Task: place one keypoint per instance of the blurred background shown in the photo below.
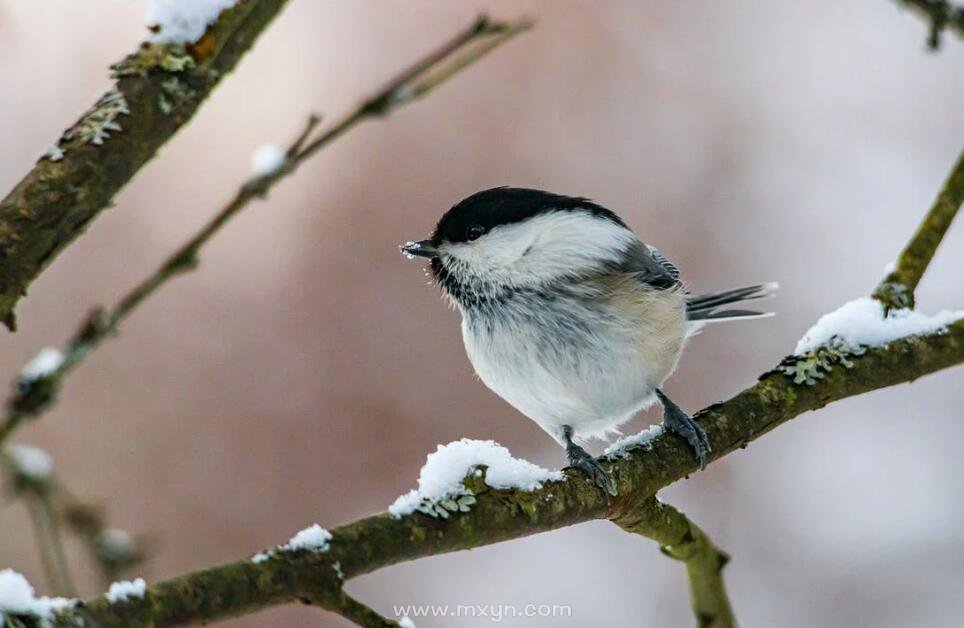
(305, 370)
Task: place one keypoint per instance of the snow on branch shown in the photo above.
(441, 489)
(159, 87)
(270, 167)
(183, 21)
(513, 498)
(864, 323)
(501, 514)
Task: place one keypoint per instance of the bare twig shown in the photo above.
(681, 539)
(356, 612)
(159, 88)
(467, 47)
(317, 576)
(897, 288)
(941, 15)
(49, 544)
(112, 550)
(499, 515)
(53, 508)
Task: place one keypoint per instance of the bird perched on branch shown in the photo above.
(568, 316)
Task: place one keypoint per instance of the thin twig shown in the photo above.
(48, 546)
(381, 540)
(356, 612)
(897, 288)
(370, 544)
(681, 539)
(56, 535)
(942, 15)
(464, 49)
(53, 509)
(60, 196)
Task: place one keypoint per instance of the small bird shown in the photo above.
(568, 316)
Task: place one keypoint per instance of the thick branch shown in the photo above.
(59, 197)
(897, 288)
(379, 541)
(428, 73)
(681, 539)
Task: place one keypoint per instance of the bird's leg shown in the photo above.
(580, 459)
(675, 419)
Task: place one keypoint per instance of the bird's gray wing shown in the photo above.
(650, 267)
(660, 259)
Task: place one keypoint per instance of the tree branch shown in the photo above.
(49, 543)
(52, 508)
(159, 88)
(317, 576)
(34, 397)
(354, 611)
(897, 288)
(499, 515)
(941, 14)
(681, 539)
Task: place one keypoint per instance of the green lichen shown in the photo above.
(54, 153)
(817, 363)
(100, 120)
(895, 295)
(152, 57)
(175, 92)
(526, 503)
(442, 508)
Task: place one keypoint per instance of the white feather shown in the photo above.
(581, 351)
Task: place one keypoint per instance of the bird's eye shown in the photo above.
(474, 232)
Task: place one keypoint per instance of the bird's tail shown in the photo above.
(705, 308)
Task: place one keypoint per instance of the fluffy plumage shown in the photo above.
(565, 313)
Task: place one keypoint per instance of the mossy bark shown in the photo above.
(897, 288)
(381, 540)
(56, 200)
(681, 539)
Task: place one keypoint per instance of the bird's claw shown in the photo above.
(580, 459)
(684, 425)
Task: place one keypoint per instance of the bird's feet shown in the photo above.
(675, 419)
(580, 459)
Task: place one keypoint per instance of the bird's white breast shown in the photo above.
(588, 356)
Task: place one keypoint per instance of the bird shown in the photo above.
(568, 316)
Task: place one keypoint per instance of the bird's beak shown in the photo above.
(422, 248)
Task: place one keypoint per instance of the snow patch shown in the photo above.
(183, 21)
(405, 622)
(115, 543)
(44, 363)
(314, 537)
(17, 598)
(267, 159)
(125, 590)
(622, 447)
(862, 323)
(32, 462)
(441, 477)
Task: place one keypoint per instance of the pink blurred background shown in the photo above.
(304, 372)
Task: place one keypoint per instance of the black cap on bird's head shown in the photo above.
(478, 214)
(507, 238)
(485, 210)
